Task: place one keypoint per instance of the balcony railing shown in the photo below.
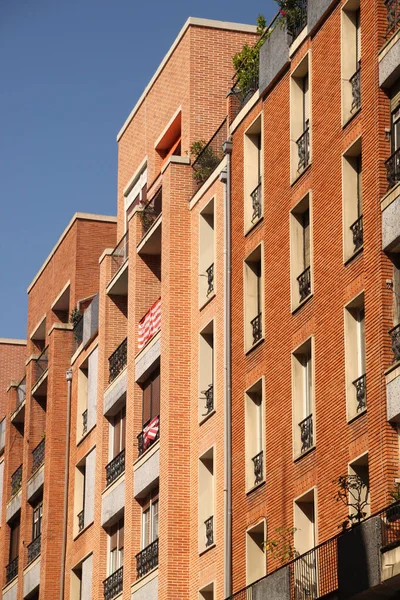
(395, 335)
(256, 325)
(393, 168)
(115, 467)
(40, 365)
(296, 19)
(21, 392)
(78, 332)
(113, 584)
(361, 392)
(117, 360)
(81, 520)
(34, 548)
(256, 202)
(120, 254)
(210, 279)
(306, 433)
(357, 229)
(392, 16)
(304, 280)
(149, 434)
(355, 82)
(241, 93)
(84, 422)
(209, 531)
(147, 559)
(38, 456)
(208, 159)
(16, 481)
(258, 462)
(151, 211)
(303, 149)
(150, 324)
(12, 570)
(209, 399)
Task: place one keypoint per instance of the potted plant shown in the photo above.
(206, 160)
(353, 492)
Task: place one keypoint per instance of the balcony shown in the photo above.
(361, 393)
(393, 169)
(296, 20)
(12, 570)
(18, 415)
(256, 202)
(209, 156)
(34, 549)
(355, 82)
(115, 467)
(357, 230)
(151, 220)
(303, 149)
(39, 376)
(306, 434)
(118, 284)
(149, 434)
(258, 463)
(304, 281)
(392, 16)
(395, 337)
(78, 332)
(209, 531)
(149, 325)
(147, 559)
(113, 584)
(16, 481)
(256, 326)
(118, 360)
(38, 456)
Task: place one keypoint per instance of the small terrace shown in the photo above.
(208, 156)
(39, 375)
(118, 284)
(151, 220)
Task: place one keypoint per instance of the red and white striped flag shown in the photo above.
(150, 431)
(149, 324)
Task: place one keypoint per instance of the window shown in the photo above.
(300, 119)
(81, 580)
(207, 592)
(253, 170)
(84, 491)
(151, 397)
(355, 357)
(206, 371)
(136, 193)
(300, 255)
(393, 163)
(303, 398)
(353, 231)
(359, 497)
(351, 59)
(116, 465)
(150, 520)
(87, 394)
(206, 254)
(116, 541)
(304, 540)
(253, 299)
(14, 539)
(37, 521)
(206, 500)
(256, 565)
(255, 434)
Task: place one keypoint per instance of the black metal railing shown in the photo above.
(296, 19)
(258, 462)
(78, 332)
(151, 211)
(256, 202)
(395, 335)
(210, 156)
(117, 360)
(12, 570)
(242, 92)
(40, 365)
(304, 280)
(38, 455)
(144, 442)
(303, 149)
(393, 169)
(392, 16)
(16, 481)
(357, 229)
(361, 392)
(120, 254)
(209, 399)
(355, 82)
(115, 467)
(210, 279)
(113, 584)
(256, 325)
(34, 548)
(306, 433)
(209, 531)
(84, 422)
(81, 520)
(390, 526)
(147, 559)
(21, 392)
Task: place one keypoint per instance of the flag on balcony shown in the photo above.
(149, 324)
(150, 432)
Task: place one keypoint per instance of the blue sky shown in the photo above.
(70, 73)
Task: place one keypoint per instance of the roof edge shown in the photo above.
(13, 342)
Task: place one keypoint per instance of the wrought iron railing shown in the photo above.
(12, 570)
(34, 548)
(303, 149)
(16, 481)
(210, 156)
(304, 280)
(84, 422)
(40, 365)
(210, 279)
(38, 455)
(115, 467)
(355, 82)
(209, 531)
(120, 254)
(78, 332)
(258, 462)
(151, 211)
(256, 325)
(147, 559)
(357, 229)
(144, 442)
(361, 392)
(113, 584)
(395, 335)
(117, 360)
(256, 202)
(209, 399)
(81, 520)
(21, 392)
(296, 18)
(392, 16)
(306, 433)
(393, 169)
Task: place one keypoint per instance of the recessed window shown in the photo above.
(356, 389)
(169, 143)
(207, 592)
(351, 59)
(14, 532)
(87, 394)
(353, 230)
(61, 307)
(256, 565)
(147, 558)
(116, 547)
(303, 398)
(206, 254)
(116, 464)
(206, 500)
(85, 473)
(206, 371)
(255, 435)
(253, 171)
(305, 583)
(137, 192)
(359, 496)
(300, 255)
(81, 580)
(300, 118)
(253, 298)
(150, 412)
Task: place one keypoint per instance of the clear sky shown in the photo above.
(70, 73)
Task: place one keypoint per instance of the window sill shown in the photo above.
(82, 531)
(146, 454)
(306, 453)
(300, 175)
(207, 417)
(255, 487)
(254, 346)
(79, 442)
(351, 118)
(207, 301)
(253, 226)
(302, 303)
(202, 552)
(351, 420)
(353, 256)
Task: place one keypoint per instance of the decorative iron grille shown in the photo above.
(258, 461)
(303, 148)
(209, 526)
(84, 422)
(306, 433)
(256, 201)
(81, 520)
(120, 254)
(357, 230)
(210, 279)
(113, 584)
(392, 16)
(209, 399)
(78, 332)
(395, 335)
(210, 156)
(296, 19)
(115, 467)
(16, 480)
(393, 169)
(147, 559)
(304, 280)
(256, 325)
(355, 82)
(361, 392)
(38, 456)
(40, 365)
(151, 211)
(12, 570)
(117, 360)
(143, 444)
(34, 548)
